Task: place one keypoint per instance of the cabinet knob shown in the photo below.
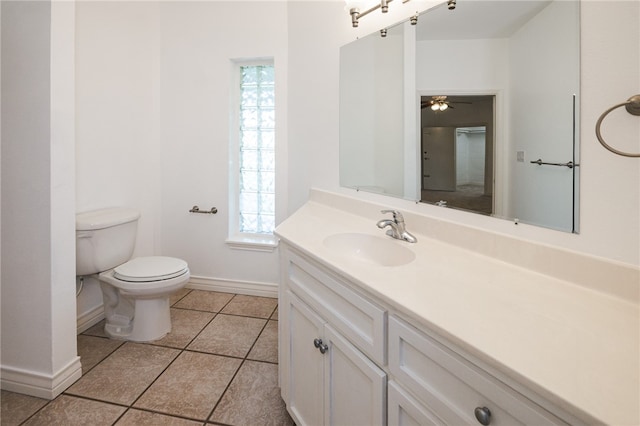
(483, 415)
(318, 343)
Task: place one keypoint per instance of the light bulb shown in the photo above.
(443, 106)
(435, 107)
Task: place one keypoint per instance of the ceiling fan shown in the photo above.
(439, 103)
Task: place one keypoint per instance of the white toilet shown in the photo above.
(135, 291)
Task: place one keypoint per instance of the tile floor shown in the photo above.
(218, 366)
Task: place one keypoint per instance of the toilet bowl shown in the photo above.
(136, 297)
(135, 292)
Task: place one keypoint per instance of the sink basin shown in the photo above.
(371, 249)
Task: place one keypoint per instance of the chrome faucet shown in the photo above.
(396, 227)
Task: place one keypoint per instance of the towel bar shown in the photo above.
(196, 209)
(570, 164)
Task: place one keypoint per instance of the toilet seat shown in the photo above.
(149, 269)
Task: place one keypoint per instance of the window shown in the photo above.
(253, 170)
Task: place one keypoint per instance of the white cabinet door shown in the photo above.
(355, 388)
(306, 364)
(329, 381)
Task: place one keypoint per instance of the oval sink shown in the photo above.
(381, 251)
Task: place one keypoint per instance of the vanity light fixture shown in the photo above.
(355, 6)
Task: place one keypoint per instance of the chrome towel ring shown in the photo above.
(633, 107)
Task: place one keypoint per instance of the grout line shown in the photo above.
(36, 412)
(225, 391)
(65, 392)
(239, 368)
(181, 351)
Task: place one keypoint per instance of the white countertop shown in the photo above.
(573, 345)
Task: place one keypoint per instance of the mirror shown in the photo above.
(506, 142)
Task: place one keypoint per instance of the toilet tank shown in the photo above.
(104, 239)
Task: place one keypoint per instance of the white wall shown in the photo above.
(610, 62)
(388, 115)
(38, 345)
(371, 104)
(456, 58)
(541, 116)
(357, 102)
(470, 152)
(117, 121)
(199, 39)
(153, 91)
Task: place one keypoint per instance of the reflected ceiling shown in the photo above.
(476, 19)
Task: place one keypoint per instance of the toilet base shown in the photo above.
(152, 321)
(138, 311)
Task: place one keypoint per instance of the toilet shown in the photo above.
(135, 291)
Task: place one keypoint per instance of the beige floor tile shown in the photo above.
(175, 297)
(191, 386)
(185, 325)
(253, 398)
(124, 374)
(93, 349)
(71, 411)
(145, 418)
(210, 301)
(228, 335)
(275, 315)
(96, 330)
(251, 306)
(266, 347)
(16, 408)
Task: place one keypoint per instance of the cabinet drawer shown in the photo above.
(404, 410)
(451, 386)
(362, 322)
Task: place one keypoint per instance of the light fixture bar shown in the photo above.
(384, 6)
(356, 14)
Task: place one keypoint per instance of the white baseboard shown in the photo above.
(38, 384)
(96, 314)
(90, 318)
(234, 286)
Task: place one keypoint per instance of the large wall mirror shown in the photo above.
(474, 108)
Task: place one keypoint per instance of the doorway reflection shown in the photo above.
(457, 152)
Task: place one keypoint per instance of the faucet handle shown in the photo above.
(397, 216)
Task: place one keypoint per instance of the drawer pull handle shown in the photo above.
(483, 415)
(320, 345)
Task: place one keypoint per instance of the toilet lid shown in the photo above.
(152, 268)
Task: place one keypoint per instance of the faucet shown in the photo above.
(396, 227)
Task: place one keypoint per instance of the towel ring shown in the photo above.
(633, 107)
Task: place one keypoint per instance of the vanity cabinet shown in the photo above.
(449, 385)
(325, 378)
(346, 359)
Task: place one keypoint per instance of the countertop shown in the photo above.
(573, 345)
